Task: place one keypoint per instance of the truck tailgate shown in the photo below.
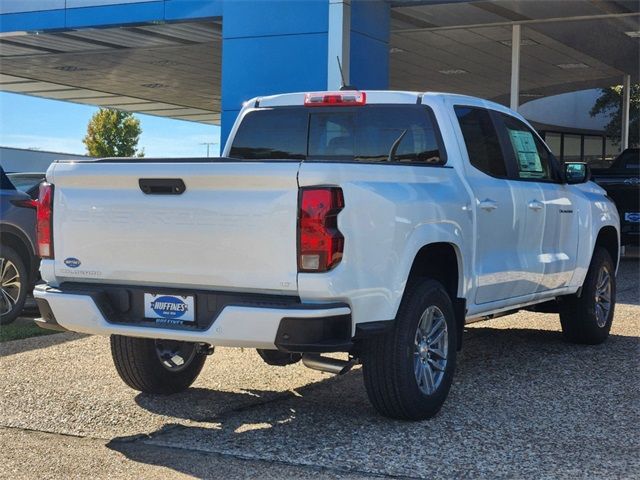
(233, 227)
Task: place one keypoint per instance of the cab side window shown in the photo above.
(532, 158)
(481, 140)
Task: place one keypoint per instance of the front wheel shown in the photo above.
(587, 319)
(156, 366)
(408, 371)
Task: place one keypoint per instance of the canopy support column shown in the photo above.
(515, 67)
(626, 101)
(339, 48)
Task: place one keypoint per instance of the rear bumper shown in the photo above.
(288, 326)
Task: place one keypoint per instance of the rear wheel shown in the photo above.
(408, 371)
(587, 319)
(13, 285)
(157, 366)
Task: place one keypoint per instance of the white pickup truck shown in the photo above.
(374, 223)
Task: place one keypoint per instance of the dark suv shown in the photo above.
(18, 262)
(622, 183)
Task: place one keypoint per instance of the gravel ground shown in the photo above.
(523, 404)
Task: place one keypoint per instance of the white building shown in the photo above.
(28, 160)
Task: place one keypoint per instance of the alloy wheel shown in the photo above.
(603, 296)
(431, 347)
(10, 286)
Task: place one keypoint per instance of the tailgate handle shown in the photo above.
(162, 186)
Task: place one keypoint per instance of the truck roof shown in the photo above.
(374, 97)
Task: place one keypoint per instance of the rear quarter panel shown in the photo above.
(391, 212)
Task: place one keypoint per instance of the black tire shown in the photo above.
(12, 298)
(390, 375)
(578, 316)
(139, 365)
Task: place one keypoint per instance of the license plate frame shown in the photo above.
(632, 217)
(170, 307)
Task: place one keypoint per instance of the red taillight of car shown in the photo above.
(320, 243)
(44, 217)
(335, 99)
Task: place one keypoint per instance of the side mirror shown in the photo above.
(576, 172)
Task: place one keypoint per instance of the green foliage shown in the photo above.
(112, 133)
(22, 329)
(609, 103)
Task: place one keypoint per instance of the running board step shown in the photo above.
(325, 364)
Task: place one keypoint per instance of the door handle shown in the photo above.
(536, 205)
(162, 186)
(488, 205)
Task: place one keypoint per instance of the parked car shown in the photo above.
(18, 262)
(622, 183)
(374, 223)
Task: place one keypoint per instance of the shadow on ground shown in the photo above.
(524, 403)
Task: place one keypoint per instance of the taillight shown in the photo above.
(44, 217)
(335, 99)
(320, 243)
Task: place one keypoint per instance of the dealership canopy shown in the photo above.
(199, 59)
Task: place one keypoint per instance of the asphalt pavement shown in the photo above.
(524, 404)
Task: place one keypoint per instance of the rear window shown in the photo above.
(24, 182)
(5, 183)
(271, 134)
(481, 140)
(374, 133)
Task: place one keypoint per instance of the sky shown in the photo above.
(31, 122)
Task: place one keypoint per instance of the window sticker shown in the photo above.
(529, 162)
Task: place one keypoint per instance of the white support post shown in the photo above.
(339, 44)
(515, 67)
(626, 101)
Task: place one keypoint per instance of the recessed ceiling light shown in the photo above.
(396, 50)
(453, 71)
(572, 66)
(634, 34)
(523, 43)
(165, 63)
(69, 68)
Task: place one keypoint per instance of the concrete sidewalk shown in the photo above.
(32, 454)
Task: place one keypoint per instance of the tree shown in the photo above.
(112, 133)
(609, 104)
